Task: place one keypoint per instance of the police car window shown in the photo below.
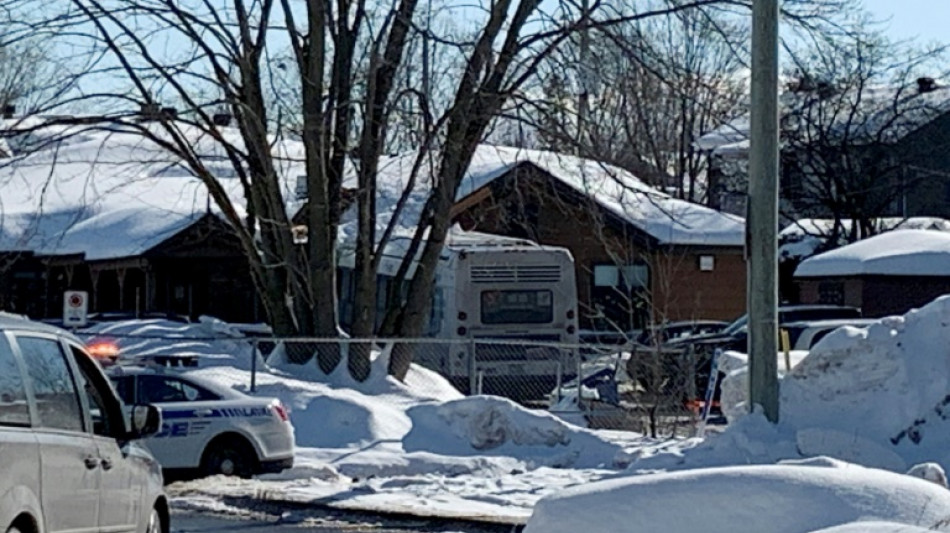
(124, 387)
(163, 389)
(14, 408)
(57, 400)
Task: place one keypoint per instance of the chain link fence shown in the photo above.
(630, 387)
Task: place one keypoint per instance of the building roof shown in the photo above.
(902, 252)
(803, 237)
(667, 219)
(875, 113)
(112, 194)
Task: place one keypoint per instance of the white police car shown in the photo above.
(208, 428)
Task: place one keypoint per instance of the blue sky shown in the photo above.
(926, 19)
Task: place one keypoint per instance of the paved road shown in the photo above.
(316, 521)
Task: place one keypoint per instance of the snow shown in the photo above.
(802, 238)
(112, 193)
(418, 447)
(776, 498)
(728, 133)
(863, 408)
(876, 396)
(871, 113)
(895, 253)
(669, 220)
(81, 188)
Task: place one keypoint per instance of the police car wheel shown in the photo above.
(228, 458)
(154, 522)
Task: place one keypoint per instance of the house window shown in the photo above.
(831, 292)
(619, 296)
(627, 276)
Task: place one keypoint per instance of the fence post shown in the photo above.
(254, 365)
(579, 379)
(472, 369)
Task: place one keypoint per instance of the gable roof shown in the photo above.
(667, 219)
(902, 252)
(111, 194)
(887, 114)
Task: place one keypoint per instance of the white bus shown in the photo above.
(509, 302)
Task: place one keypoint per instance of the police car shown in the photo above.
(208, 428)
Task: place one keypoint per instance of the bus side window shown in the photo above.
(437, 312)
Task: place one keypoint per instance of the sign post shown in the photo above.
(75, 308)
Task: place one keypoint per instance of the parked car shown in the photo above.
(805, 335)
(209, 428)
(680, 331)
(70, 458)
(735, 336)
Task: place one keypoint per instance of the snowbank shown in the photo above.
(775, 498)
(380, 426)
(877, 396)
(496, 426)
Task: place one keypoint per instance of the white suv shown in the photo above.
(69, 460)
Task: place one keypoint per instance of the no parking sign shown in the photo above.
(75, 308)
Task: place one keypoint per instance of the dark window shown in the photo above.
(14, 407)
(54, 389)
(619, 295)
(437, 312)
(104, 421)
(125, 387)
(517, 307)
(831, 292)
(164, 389)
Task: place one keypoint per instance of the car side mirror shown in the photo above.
(146, 421)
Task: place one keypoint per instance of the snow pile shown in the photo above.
(877, 396)
(487, 425)
(792, 498)
(371, 427)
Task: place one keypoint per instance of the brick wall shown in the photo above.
(879, 296)
(526, 204)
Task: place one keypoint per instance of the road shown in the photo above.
(317, 521)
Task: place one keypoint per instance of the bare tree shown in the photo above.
(659, 83)
(329, 75)
(847, 110)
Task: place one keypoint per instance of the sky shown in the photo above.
(906, 19)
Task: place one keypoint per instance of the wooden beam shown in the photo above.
(469, 201)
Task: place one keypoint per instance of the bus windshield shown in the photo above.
(517, 307)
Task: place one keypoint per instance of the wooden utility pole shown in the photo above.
(583, 97)
(762, 223)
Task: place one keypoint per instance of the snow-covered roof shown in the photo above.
(909, 252)
(874, 113)
(731, 132)
(667, 219)
(113, 194)
(803, 237)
